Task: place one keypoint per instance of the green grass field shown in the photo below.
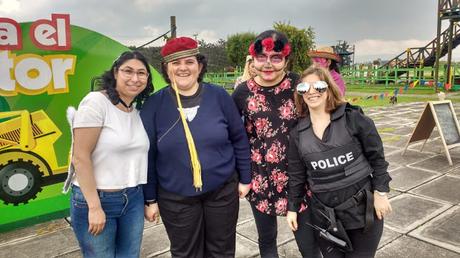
(378, 88)
(361, 93)
(385, 102)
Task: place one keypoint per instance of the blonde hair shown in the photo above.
(247, 67)
(334, 97)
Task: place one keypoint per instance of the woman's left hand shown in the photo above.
(382, 205)
(291, 218)
(243, 189)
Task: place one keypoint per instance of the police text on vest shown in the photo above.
(332, 162)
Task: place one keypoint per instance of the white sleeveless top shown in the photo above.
(121, 152)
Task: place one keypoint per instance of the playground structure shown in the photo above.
(425, 56)
(371, 74)
(429, 55)
(363, 75)
(447, 10)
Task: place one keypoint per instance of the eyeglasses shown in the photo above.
(304, 87)
(274, 59)
(129, 73)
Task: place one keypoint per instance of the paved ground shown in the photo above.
(425, 198)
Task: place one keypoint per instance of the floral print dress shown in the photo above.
(269, 114)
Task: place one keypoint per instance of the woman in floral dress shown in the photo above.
(267, 104)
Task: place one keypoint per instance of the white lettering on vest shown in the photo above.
(342, 159)
(349, 156)
(322, 164)
(314, 164)
(332, 162)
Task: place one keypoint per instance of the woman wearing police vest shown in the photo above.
(337, 150)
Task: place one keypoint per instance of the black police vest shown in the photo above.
(336, 163)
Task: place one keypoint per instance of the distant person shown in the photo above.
(109, 161)
(198, 159)
(267, 104)
(248, 72)
(338, 151)
(326, 58)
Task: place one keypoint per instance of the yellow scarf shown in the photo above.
(196, 166)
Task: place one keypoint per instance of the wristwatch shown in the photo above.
(381, 193)
(148, 202)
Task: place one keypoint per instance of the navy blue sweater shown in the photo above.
(219, 136)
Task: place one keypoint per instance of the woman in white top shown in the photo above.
(110, 149)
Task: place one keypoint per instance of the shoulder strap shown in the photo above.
(71, 169)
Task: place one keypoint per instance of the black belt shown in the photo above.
(363, 194)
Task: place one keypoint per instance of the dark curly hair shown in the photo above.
(201, 60)
(280, 40)
(108, 82)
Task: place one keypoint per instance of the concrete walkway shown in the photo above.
(425, 197)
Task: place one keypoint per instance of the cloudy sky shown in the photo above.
(377, 28)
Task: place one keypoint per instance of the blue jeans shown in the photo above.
(122, 234)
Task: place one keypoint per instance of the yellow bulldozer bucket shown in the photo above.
(18, 130)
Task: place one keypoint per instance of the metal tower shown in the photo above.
(447, 10)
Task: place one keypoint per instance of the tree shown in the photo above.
(345, 51)
(216, 55)
(214, 52)
(153, 56)
(302, 40)
(237, 47)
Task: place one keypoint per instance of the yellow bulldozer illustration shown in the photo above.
(27, 155)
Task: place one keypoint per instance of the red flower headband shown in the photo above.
(268, 44)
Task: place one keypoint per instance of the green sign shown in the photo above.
(45, 66)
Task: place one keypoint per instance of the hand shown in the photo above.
(243, 189)
(152, 213)
(96, 220)
(291, 218)
(382, 205)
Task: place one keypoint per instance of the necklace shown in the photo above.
(125, 105)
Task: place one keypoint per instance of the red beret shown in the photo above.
(178, 48)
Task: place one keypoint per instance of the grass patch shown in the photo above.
(386, 130)
(363, 102)
(378, 89)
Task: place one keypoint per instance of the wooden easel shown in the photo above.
(442, 115)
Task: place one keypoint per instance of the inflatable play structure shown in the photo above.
(45, 66)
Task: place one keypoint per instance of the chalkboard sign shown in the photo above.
(438, 114)
(446, 120)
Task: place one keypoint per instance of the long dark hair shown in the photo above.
(201, 60)
(109, 83)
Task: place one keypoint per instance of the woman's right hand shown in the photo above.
(243, 190)
(291, 218)
(96, 220)
(152, 213)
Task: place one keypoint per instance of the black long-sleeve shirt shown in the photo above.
(359, 126)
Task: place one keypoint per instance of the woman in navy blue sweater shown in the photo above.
(198, 159)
